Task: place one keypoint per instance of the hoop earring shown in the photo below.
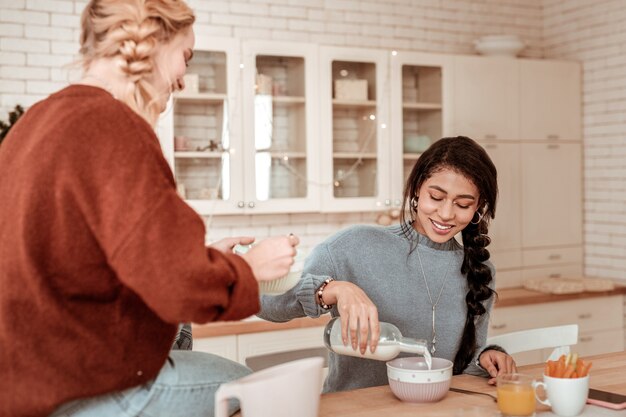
(480, 217)
(413, 203)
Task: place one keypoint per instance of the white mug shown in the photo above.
(286, 390)
(566, 396)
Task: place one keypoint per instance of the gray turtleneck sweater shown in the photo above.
(379, 261)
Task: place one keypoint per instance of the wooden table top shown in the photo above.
(607, 373)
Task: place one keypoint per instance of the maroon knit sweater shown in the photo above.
(99, 257)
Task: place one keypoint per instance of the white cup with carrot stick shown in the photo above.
(566, 385)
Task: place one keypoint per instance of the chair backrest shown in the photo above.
(260, 362)
(558, 337)
(257, 363)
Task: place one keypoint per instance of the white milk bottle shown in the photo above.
(390, 343)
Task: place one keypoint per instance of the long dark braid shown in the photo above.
(463, 155)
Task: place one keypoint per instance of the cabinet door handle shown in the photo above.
(498, 326)
(554, 256)
(554, 276)
(241, 204)
(586, 339)
(491, 136)
(553, 136)
(585, 316)
(251, 204)
(491, 146)
(553, 146)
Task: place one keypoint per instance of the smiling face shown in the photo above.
(446, 204)
(171, 61)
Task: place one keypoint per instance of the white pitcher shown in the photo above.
(286, 390)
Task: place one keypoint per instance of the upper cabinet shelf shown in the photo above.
(203, 97)
(354, 103)
(421, 106)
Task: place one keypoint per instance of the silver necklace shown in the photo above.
(433, 349)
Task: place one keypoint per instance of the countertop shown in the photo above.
(508, 297)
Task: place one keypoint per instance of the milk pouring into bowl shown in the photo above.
(390, 343)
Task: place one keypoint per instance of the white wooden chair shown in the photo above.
(558, 337)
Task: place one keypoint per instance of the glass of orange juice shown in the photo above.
(516, 395)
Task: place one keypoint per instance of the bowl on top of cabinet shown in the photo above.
(499, 45)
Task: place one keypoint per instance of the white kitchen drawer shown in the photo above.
(553, 256)
(591, 314)
(254, 344)
(555, 271)
(224, 346)
(596, 343)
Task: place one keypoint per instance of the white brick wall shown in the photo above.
(37, 37)
(593, 32)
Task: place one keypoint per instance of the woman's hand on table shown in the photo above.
(357, 313)
(272, 258)
(497, 363)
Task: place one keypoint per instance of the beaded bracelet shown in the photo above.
(320, 293)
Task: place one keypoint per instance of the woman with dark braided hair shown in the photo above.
(414, 275)
(101, 259)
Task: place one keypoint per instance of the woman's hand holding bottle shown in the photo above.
(357, 313)
(272, 258)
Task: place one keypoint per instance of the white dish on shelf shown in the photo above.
(499, 45)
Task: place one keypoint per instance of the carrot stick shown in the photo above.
(586, 369)
(568, 371)
(575, 375)
(580, 364)
(560, 369)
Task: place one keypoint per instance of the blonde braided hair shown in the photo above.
(129, 31)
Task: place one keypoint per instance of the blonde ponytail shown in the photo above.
(129, 31)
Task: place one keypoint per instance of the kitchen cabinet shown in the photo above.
(421, 98)
(274, 127)
(550, 100)
(486, 97)
(551, 194)
(600, 324)
(281, 149)
(224, 346)
(354, 92)
(239, 347)
(506, 229)
(245, 141)
(196, 134)
(537, 231)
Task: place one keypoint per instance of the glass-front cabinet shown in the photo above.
(242, 136)
(420, 111)
(280, 127)
(354, 92)
(199, 131)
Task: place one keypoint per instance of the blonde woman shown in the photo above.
(99, 257)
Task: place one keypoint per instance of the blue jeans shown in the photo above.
(185, 386)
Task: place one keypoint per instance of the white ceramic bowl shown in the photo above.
(410, 379)
(281, 285)
(499, 45)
